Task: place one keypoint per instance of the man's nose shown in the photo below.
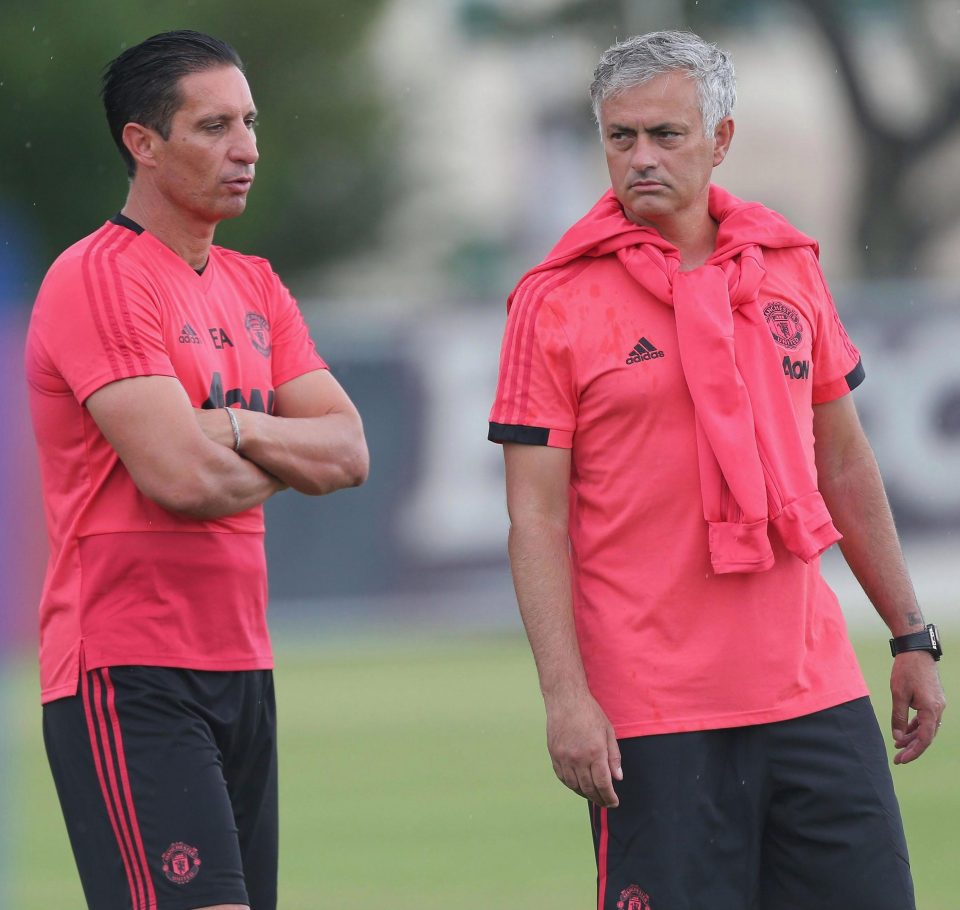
(244, 148)
(644, 155)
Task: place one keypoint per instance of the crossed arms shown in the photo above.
(580, 738)
(182, 458)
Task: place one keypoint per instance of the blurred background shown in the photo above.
(416, 157)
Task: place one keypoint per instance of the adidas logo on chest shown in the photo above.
(188, 335)
(644, 350)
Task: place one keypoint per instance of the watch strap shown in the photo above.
(927, 640)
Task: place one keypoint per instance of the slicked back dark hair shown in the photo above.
(142, 85)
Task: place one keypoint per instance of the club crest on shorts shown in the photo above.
(633, 898)
(259, 331)
(784, 324)
(181, 863)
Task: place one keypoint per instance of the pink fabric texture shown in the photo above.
(753, 471)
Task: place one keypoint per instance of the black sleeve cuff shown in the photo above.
(856, 376)
(508, 432)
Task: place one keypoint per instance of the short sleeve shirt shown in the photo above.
(127, 581)
(590, 362)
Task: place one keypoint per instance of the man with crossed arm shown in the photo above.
(174, 388)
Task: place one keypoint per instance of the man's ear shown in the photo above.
(722, 137)
(142, 143)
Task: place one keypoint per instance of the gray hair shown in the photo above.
(639, 59)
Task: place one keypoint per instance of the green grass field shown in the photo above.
(415, 776)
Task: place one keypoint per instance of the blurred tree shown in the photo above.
(907, 198)
(322, 137)
(899, 215)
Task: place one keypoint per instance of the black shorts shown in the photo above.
(793, 815)
(168, 783)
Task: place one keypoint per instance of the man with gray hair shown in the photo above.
(680, 447)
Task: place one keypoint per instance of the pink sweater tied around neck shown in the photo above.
(754, 471)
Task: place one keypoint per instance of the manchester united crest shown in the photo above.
(259, 331)
(633, 898)
(784, 324)
(181, 863)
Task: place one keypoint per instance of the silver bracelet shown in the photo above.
(235, 425)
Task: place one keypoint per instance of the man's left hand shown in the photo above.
(216, 425)
(915, 683)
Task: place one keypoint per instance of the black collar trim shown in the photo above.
(123, 221)
(126, 222)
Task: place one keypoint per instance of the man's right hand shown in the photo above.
(583, 748)
(582, 744)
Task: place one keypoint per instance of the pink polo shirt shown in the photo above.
(127, 581)
(590, 362)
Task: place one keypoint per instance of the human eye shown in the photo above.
(251, 123)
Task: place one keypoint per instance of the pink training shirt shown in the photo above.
(127, 581)
(590, 362)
